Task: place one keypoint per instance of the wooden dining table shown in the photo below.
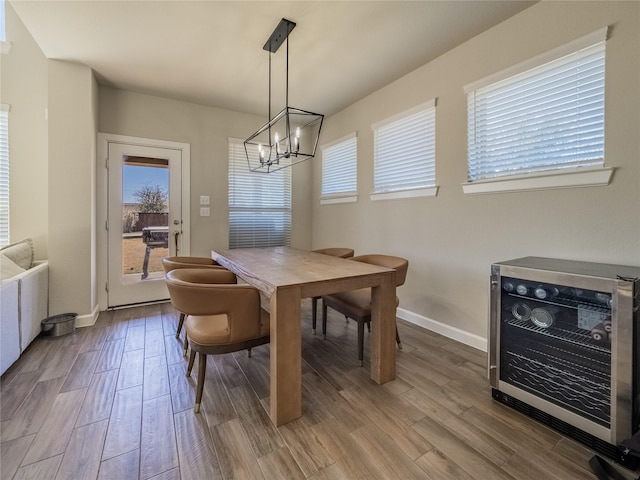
(286, 275)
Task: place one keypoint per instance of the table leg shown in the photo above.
(285, 357)
(383, 331)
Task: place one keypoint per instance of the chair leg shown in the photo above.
(192, 357)
(186, 346)
(398, 339)
(314, 306)
(361, 342)
(249, 352)
(324, 321)
(202, 367)
(180, 323)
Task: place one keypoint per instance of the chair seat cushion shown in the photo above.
(355, 304)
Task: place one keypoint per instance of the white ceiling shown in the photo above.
(210, 52)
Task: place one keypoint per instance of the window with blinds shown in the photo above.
(549, 117)
(259, 203)
(405, 151)
(3, 36)
(5, 47)
(340, 169)
(4, 175)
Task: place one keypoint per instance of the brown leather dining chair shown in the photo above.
(221, 316)
(334, 252)
(172, 263)
(356, 304)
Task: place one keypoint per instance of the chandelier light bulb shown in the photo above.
(276, 140)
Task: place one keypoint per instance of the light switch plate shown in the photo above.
(204, 211)
(204, 199)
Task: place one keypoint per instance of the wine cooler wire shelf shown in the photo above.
(559, 388)
(564, 333)
(593, 370)
(571, 302)
(598, 392)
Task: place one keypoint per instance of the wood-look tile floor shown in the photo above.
(112, 402)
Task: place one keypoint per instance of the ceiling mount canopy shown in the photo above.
(279, 35)
(289, 137)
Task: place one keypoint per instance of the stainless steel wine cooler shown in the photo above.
(563, 347)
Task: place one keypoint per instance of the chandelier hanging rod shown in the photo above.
(279, 35)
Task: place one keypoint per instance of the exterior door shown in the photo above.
(144, 220)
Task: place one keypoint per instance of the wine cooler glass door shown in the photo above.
(556, 345)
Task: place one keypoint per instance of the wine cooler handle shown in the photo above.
(494, 317)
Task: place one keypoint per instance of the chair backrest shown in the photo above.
(215, 292)
(203, 275)
(399, 264)
(172, 263)
(336, 252)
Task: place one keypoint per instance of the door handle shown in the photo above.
(176, 234)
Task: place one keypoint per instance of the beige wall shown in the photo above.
(24, 87)
(72, 187)
(207, 130)
(451, 240)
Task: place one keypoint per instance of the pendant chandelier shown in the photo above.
(292, 135)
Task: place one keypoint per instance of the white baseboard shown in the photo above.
(448, 331)
(88, 319)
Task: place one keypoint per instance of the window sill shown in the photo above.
(419, 192)
(579, 177)
(338, 199)
(5, 47)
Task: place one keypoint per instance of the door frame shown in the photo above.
(102, 179)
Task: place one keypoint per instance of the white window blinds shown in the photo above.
(259, 203)
(4, 175)
(3, 35)
(405, 150)
(340, 168)
(546, 118)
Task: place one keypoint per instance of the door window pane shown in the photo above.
(145, 217)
